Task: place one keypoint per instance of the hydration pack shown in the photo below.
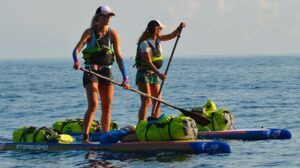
(40, 135)
(75, 126)
(167, 128)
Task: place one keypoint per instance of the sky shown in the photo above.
(51, 29)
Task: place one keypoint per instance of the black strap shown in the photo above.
(86, 136)
(146, 132)
(47, 132)
(154, 49)
(69, 121)
(98, 39)
(25, 133)
(169, 129)
(158, 126)
(212, 121)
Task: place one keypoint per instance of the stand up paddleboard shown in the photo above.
(193, 147)
(247, 134)
(237, 134)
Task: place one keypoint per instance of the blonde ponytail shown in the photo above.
(95, 21)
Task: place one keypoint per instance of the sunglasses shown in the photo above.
(106, 16)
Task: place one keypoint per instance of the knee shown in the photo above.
(93, 106)
(146, 102)
(107, 105)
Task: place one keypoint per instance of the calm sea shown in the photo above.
(260, 91)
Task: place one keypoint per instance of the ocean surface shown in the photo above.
(261, 91)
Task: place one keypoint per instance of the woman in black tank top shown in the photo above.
(93, 85)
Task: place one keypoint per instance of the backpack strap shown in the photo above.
(109, 42)
(153, 49)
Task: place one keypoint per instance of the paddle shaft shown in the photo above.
(134, 90)
(167, 69)
(198, 118)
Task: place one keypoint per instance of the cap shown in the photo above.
(105, 10)
(155, 23)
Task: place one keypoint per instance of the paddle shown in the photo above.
(162, 83)
(196, 116)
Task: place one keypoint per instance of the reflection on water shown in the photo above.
(110, 159)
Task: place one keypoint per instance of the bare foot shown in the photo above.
(85, 141)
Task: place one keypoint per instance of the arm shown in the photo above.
(147, 58)
(84, 39)
(173, 34)
(117, 48)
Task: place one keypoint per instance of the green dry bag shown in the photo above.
(75, 126)
(167, 128)
(40, 135)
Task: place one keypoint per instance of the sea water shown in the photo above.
(261, 91)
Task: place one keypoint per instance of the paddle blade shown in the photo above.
(197, 117)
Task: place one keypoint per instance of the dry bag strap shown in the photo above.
(26, 132)
(212, 121)
(158, 126)
(47, 132)
(169, 129)
(70, 121)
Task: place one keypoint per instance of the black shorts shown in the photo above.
(89, 78)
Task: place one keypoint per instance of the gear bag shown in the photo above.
(221, 119)
(40, 135)
(75, 126)
(167, 128)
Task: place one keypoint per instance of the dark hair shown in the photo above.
(150, 30)
(151, 27)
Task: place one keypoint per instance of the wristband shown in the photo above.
(75, 55)
(124, 73)
(125, 80)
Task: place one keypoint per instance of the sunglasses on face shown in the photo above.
(106, 16)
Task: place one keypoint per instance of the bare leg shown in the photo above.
(154, 92)
(145, 102)
(106, 94)
(92, 97)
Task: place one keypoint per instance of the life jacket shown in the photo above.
(40, 135)
(75, 126)
(156, 57)
(97, 52)
(167, 128)
(221, 119)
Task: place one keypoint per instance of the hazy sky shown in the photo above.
(50, 29)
